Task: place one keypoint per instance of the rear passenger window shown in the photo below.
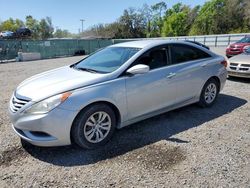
(182, 53)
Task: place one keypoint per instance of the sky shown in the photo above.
(66, 14)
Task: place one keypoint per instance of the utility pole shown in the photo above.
(82, 20)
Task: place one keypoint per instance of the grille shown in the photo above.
(233, 68)
(243, 69)
(234, 64)
(245, 65)
(17, 103)
(235, 50)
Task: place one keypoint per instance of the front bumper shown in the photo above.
(232, 53)
(50, 129)
(241, 74)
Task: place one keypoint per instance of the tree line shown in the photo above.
(158, 20)
(214, 17)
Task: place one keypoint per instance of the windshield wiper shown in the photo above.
(86, 69)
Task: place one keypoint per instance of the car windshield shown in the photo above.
(244, 40)
(106, 60)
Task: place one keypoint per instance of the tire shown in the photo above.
(25, 144)
(209, 93)
(94, 126)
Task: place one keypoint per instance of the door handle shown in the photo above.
(204, 65)
(170, 75)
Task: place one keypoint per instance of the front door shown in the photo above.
(154, 90)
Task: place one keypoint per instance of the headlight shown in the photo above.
(245, 48)
(48, 104)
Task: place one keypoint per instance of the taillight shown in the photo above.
(224, 63)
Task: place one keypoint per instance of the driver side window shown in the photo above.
(155, 58)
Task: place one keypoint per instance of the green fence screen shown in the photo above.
(50, 48)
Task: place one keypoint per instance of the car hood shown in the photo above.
(56, 81)
(242, 59)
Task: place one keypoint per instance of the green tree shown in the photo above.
(157, 21)
(237, 16)
(247, 15)
(177, 21)
(33, 25)
(132, 24)
(46, 28)
(59, 33)
(114, 30)
(175, 25)
(192, 14)
(211, 19)
(11, 24)
(146, 13)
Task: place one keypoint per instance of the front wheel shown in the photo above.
(209, 93)
(94, 126)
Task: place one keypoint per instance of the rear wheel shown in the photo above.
(209, 93)
(94, 126)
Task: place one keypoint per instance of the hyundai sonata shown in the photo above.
(119, 85)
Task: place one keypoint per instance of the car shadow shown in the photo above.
(239, 79)
(161, 127)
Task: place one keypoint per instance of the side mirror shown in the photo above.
(138, 69)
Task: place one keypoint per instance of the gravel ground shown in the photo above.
(188, 147)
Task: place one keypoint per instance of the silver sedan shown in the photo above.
(117, 86)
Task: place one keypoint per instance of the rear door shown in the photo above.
(190, 70)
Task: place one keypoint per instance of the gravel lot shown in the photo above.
(188, 147)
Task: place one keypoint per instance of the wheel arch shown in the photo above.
(217, 80)
(114, 108)
(202, 102)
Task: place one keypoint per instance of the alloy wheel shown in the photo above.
(97, 127)
(210, 93)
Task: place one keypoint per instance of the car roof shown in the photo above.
(141, 43)
(151, 43)
(147, 43)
